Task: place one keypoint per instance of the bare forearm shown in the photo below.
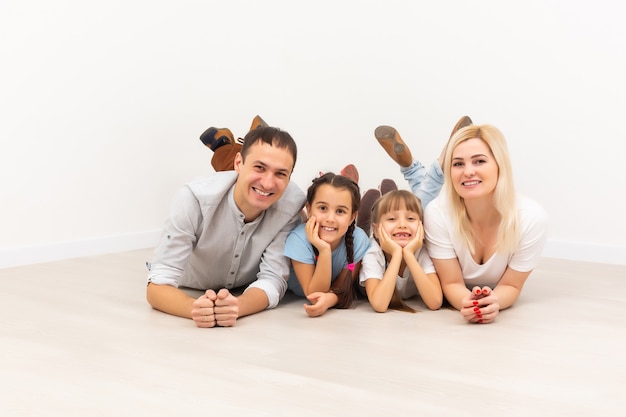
(455, 293)
(322, 276)
(380, 292)
(507, 295)
(428, 285)
(252, 301)
(169, 300)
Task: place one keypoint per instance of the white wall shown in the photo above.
(102, 104)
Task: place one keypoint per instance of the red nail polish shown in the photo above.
(480, 320)
(480, 316)
(485, 292)
(477, 292)
(475, 303)
(476, 309)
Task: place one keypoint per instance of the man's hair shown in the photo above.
(272, 136)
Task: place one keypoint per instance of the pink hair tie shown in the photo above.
(350, 267)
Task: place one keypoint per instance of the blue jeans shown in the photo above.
(425, 184)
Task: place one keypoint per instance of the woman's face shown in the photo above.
(474, 171)
(332, 208)
(401, 225)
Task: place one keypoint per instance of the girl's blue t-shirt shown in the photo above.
(298, 248)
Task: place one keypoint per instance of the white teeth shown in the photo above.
(328, 229)
(471, 182)
(261, 192)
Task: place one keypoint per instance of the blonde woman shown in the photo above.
(483, 238)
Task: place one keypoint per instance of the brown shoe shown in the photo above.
(463, 122)
(387, 185)
(364, 217)
(215, 137)
(257, 122)
(351, 172)
(393, 144)
(224, 157)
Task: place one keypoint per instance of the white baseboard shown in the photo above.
(56, 251)
(586, 252)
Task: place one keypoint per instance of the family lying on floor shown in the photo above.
(462, 232)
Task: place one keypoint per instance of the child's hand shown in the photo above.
(480, 306)
(387, 244)
(320, 302)
(417, 242)
(312, 229)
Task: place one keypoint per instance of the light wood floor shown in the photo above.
(77, 338)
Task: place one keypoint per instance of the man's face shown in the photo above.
(263, 178)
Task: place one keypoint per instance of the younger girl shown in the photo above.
(396, 266)
(327, 250)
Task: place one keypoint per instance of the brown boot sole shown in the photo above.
(388, 133)
(393, 144)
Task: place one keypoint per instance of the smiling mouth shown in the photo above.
(470, 183)
(261, 193)
(328, 229)
(402, 235)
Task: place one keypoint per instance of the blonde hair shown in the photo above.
(395, 200)
(504, 197)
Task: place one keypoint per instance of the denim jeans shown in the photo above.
(425, 184)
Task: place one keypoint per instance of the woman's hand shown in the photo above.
(480, 306)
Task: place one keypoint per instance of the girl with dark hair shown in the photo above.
(327, 250)
(397, 266)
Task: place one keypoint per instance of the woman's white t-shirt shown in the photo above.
(443, 243)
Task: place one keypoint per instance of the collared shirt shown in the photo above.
(206, 244)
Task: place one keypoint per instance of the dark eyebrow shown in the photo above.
(325, 203)
(259, 162)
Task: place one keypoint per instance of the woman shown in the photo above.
(483, 238)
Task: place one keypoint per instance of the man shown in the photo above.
(227, 231)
